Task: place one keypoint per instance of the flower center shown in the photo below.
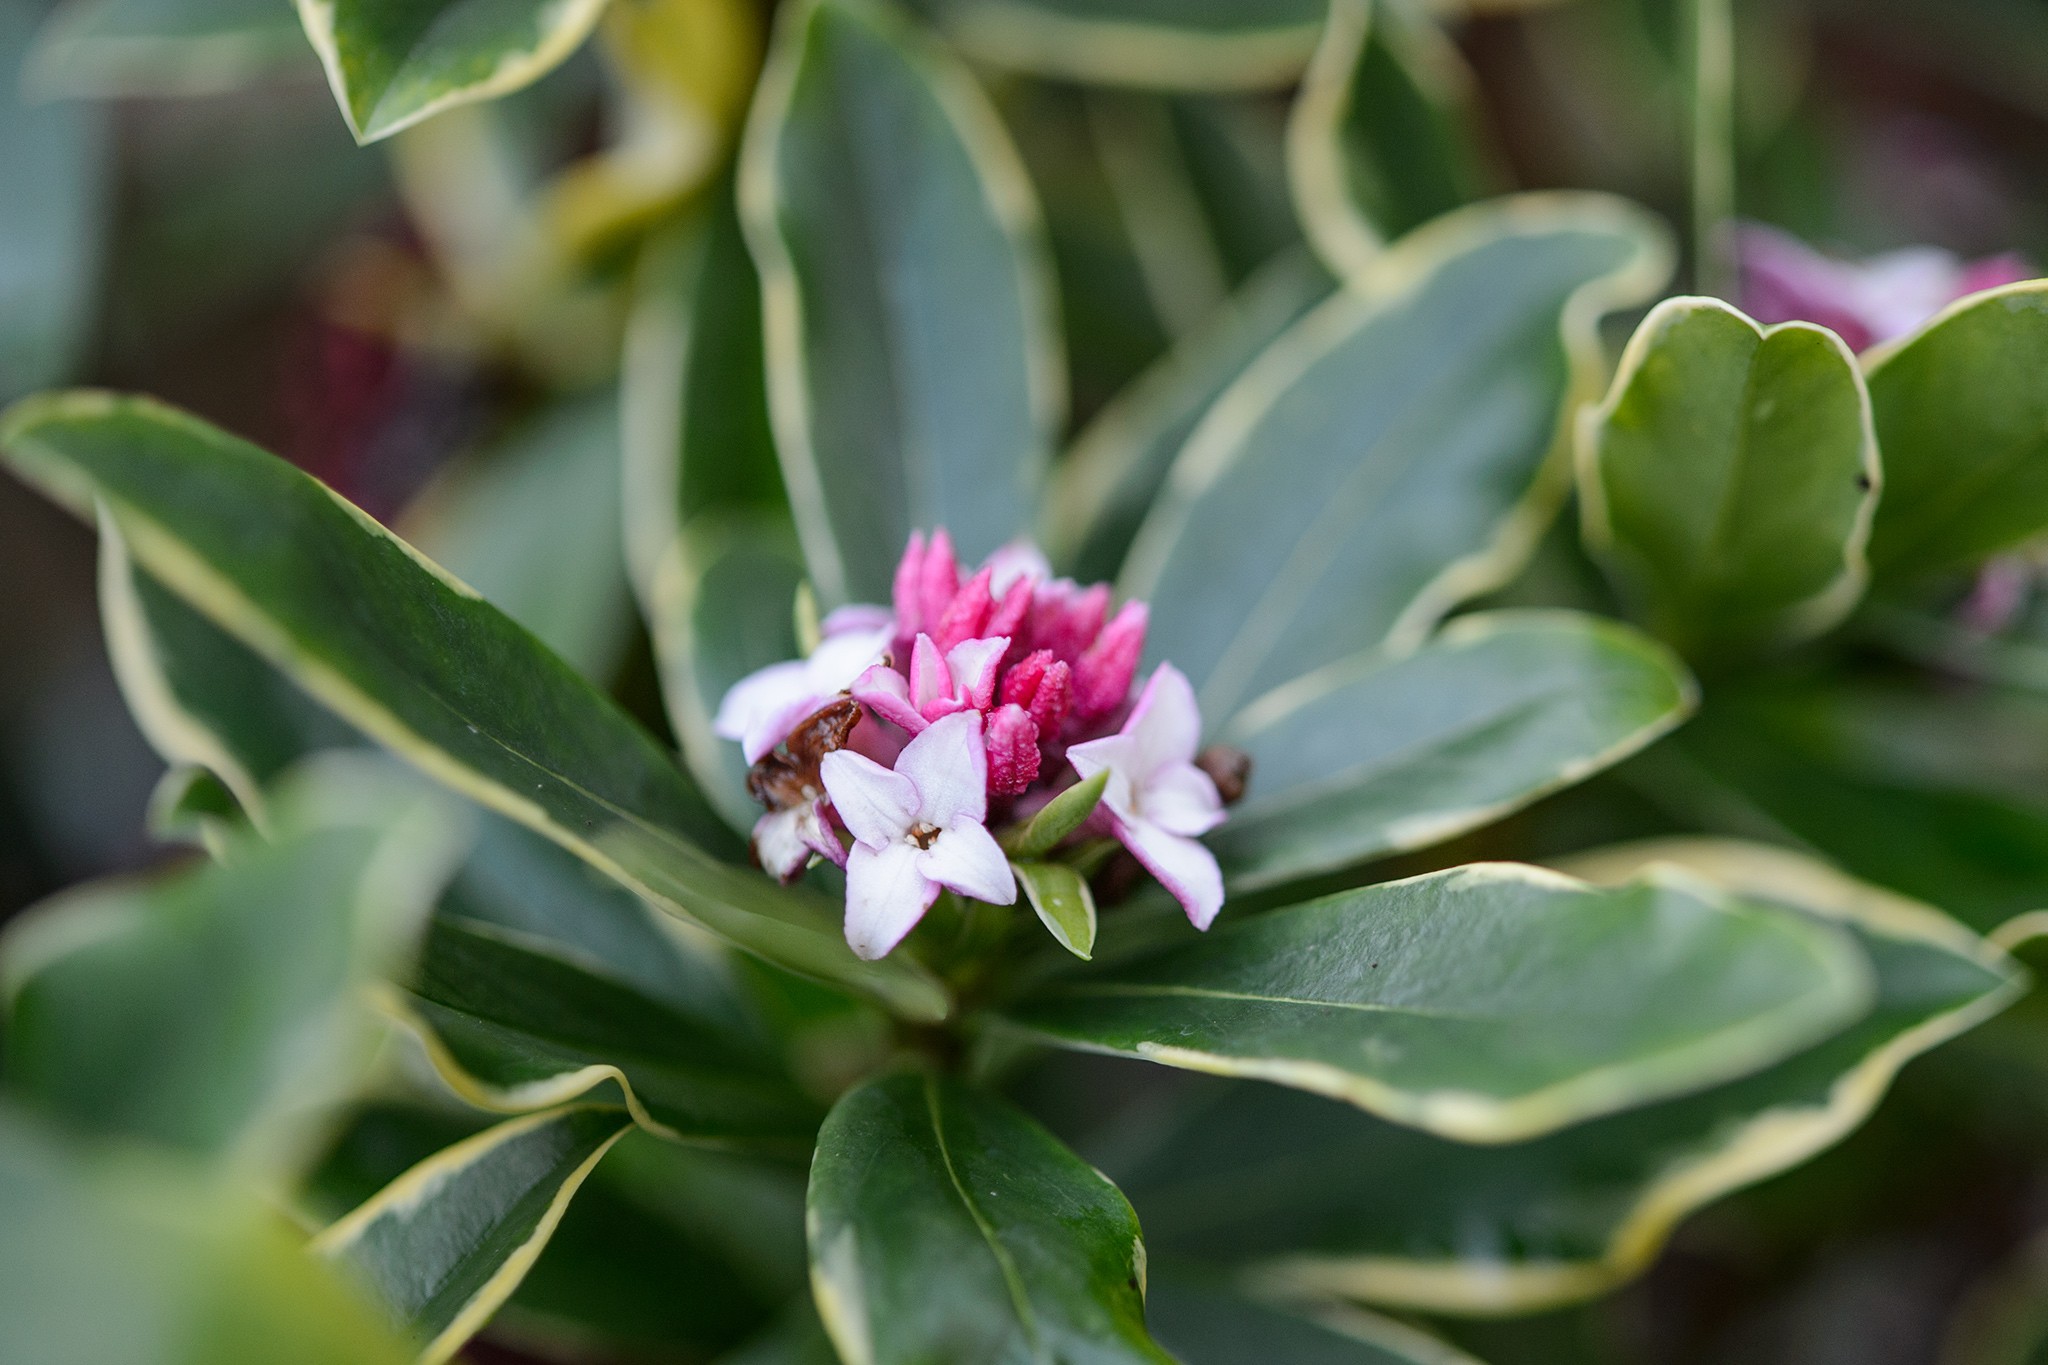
(923, 835)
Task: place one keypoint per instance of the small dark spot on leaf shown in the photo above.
(1863, 482)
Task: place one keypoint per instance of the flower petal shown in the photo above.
(761, 708)
(1184, 867)
(857, 617)
(887, 693)
(973, 664)
(1181, 799)
(1017, 561)
(950, 769)
(817, 834)
(886, 895)
(967, 858)
(1166, 723)
(779, 845)
(839, 659)
(876, 805)
(930, 680)
(1119, 754)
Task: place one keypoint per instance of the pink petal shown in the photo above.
(886, 895)
(967, 614)
(1008, 618)
(949, 768)
(967, 858)
(907, 589)
(1011, 739)
(1019, 561)
(839, 659)
(1184, 867)
(1043, 686)
(973, 665)
(1166, 723)
(930, 679)
(1181, 799)
(939, 581)
(876, 805)
(886, 692)
(2007, 268)
(817, 833)
(1120, 755)
(1102, 679)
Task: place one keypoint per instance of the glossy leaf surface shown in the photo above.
(1338, 1203)
(1384, 135)
(1389, 454)
(1964, 430)
(913, 368)
(514, 1024)
(447, 1242)
(1060, 897)
(412, 657)
(1158, 44)
(391, 65)
(944, 1225)
(216, 1010)
(1208, 1322)
(1490, 1003)
(1730, 476)
(1495, 711)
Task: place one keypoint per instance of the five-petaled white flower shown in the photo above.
(916, 829)
(1157, 799)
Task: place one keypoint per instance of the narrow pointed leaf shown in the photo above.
(216, 1011)
(1060, 897)
(447, 1242)
(1336, 1203)
(1391, 453)
(1059, 818)
(392, 65)
(913, 368)
(1153, 44)
(404, 652)
(945, 1225)
(137, 1261)
(1381, 754)
(1964, 430)
(1384, 134)
(1729, 478)
(106, 49)
(1490, 1003)
(1103, 486)
(514, 1024)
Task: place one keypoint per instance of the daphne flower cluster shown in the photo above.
(909, 732)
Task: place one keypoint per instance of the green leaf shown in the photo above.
(721, 606)
(944, 1225)
(1490, 1003)
(412, 657)
(692, 390)
(392, 65)
(109, 49)
(130, 1259)
(1964, 430)
(1390, 454)
(447, 1242)
(1102, 487)
(1333, 1202)
(1729, 478)
(1060, 896)
(216, 1010)
(56, 161)
(1384, 134)
(514, 1024)
(1156, 44)
(1057, 819)
(202, 699)
(1207, 1322)
(913, 366)
(533, 525)
(1494, 712)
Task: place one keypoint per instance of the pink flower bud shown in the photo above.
(1066, 619)
(1010, 610)
(1043, 686)
(927, 577)
(964, 617)
(1102, 679)
(1012, 743)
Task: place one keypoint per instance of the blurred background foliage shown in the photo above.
(433, 324)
